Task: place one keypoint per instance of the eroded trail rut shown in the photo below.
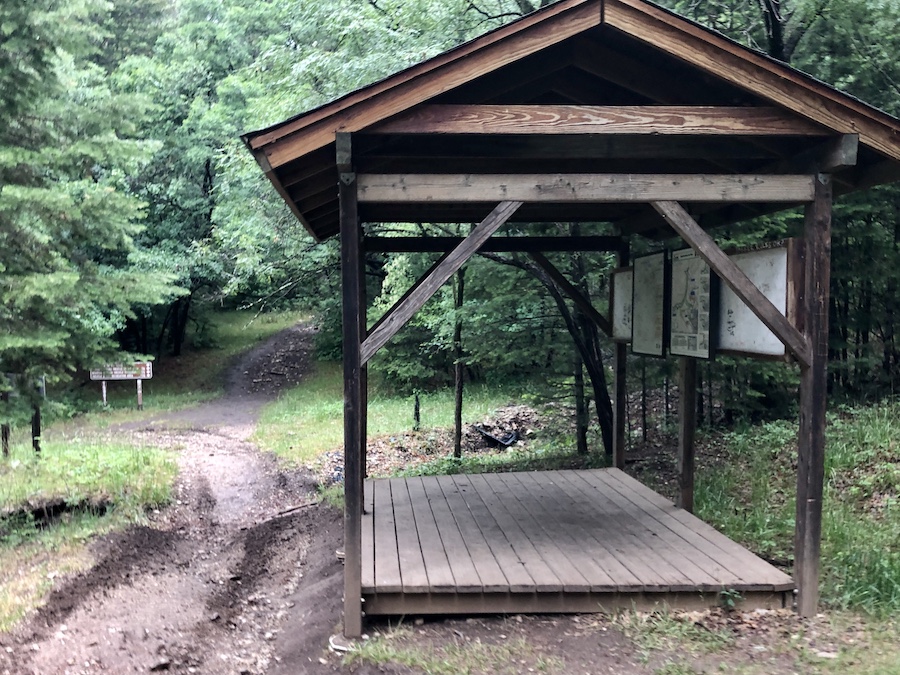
(224, 581)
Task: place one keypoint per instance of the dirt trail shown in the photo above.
(221, 582)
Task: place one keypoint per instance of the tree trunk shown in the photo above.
(581, 411)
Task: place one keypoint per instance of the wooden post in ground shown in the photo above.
(687, 427)
(619, 389)
(4, 427)
(36, 429)
(813, 398)
(354, 411)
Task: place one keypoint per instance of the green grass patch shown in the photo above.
(309, 420)
(750, 497)
(401, 646)
(86, 470)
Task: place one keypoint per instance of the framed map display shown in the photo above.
(740, 330)
(622, 298)
(691, 307)
(649, 314)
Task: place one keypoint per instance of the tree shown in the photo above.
(67, 225)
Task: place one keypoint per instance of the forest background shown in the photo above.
(129, 207)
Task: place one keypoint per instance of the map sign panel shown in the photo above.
(622, 298)
(739, 328)
(649, 306)
(689, 315)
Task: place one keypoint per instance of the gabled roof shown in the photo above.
(574, 52)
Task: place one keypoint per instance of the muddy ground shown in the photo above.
(240, 575)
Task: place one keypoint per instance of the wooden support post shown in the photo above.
(620, 391)
(687, 426)
(103, 392)
(140, 394)
(4, 427)
(813, 397)
(351, 291)
(36, 429)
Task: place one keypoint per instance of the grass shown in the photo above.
(401, 646)
(308, 421)
(750, 497)
(670, 633)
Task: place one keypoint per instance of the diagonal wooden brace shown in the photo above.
(428, 285)
(681, 221)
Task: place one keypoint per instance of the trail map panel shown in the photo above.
(649, 306)
(622, 292)
(689, 313)
(740, 330)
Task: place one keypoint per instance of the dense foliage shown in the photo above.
(128, 203)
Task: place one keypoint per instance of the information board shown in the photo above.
(622, 298)
(649, 305)
(139, 370)
(689, 309)
(739, 328)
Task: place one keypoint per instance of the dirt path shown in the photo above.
(222, 582)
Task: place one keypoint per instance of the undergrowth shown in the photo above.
(750, 497)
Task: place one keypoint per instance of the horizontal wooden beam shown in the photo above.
(568, 188)
(493, 245)
(401, 313)
(588, 119)
(735, 278)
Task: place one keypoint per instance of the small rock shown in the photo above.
(826, 655)
(419, 621)
(162, 664)
(214, 616)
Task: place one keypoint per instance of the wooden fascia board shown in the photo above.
(420, 83)
(753, 72)
(574, 188)
(272, 175)
(592, 119)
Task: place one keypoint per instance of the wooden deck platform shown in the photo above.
(549, 541)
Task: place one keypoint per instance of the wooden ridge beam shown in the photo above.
(681, 221)
(568, 188)
(592, 119)
(569, 289)
(428, 285)
(494, 245)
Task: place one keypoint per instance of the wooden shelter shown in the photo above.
(611, 111)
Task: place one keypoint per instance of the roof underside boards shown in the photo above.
(753, 115)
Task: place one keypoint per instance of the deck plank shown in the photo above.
(594, 535)
(386, 558)
(465, 575)
(412, 565)
(367, 576)
(645, 561)
(498, 567)
(437, 564)
(678, 553)
(756, 573)
(493, 514)
(543, 539)
(539, 498)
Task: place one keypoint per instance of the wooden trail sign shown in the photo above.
(139, 371)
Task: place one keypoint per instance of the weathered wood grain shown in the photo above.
(572, 188)
(586, 119)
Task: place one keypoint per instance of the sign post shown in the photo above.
(138, 371)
